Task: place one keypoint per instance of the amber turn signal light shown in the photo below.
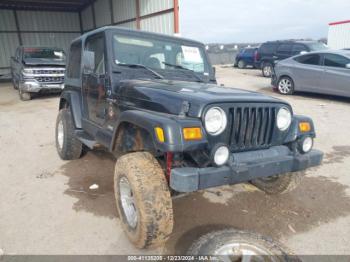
(304, 127)
(192, 133)
(160, 134)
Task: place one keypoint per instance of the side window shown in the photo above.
(74, 60)
(284, 49)
(268, 48)
(96, 45)
(309, 59)
(336, 60)
(298, 48)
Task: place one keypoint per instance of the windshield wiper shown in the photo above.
(144, 67)
(184, 68)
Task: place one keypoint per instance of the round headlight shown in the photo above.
(221, 155)
(215, 121)
(284, 119)
(306, 144)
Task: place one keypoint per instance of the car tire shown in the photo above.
(266, 69)
(279, 184)
(24, 96)
(143, 200)
(15, 86)
(285, 85)
(237, 244)
(67, 144)
(241, 64)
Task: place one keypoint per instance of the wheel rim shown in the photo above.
(285, 86)
(240, 251)
(60, 134)
(267, 70)
(128, 202)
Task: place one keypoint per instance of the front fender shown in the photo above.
(172, 126)
(294, 131)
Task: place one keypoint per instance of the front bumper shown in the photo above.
(244, 167)
(33, 86)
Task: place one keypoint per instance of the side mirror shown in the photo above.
(88, 62)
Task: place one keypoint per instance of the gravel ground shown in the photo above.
(46, 206)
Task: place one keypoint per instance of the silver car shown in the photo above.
(326, 72)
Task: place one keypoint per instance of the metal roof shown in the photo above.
(46, 5)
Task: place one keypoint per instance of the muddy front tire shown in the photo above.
(67, 145)
(143, 200)
(234, 245)
(278, 184)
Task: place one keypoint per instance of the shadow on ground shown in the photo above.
(316, 201)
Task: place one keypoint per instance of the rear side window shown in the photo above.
(284, 49)
(96, 45)
(249, 51)
(309, 59)
(268, 48)
(336, 60)
(74, 61)
(298, 48)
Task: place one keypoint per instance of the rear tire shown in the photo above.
(234, 245)
(241, 64)
(24, 96)
(143, 200)
(285, 86)
(67, 145)
(280, 184)
(266, 69)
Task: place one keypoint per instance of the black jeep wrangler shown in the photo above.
(153, 102)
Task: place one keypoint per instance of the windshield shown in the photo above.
(159, 54)
(317, 46)
(46, 53)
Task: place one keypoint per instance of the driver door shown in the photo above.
(94, 82)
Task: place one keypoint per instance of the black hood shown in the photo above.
(43, 61)
(168, 96)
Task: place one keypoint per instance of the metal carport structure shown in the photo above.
(57, 22)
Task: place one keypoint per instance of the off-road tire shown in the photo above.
(288, 81)
(72, 147)
(241, 64)
(152, 199)
(263, 70)
(209, 243)
(279, 184)
(24, 96)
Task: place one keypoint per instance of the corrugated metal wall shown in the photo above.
(36, 28)
(339, 36)
(154, 16)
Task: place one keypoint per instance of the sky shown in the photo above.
(255, 21)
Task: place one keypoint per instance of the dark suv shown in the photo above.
(152, 101)
(270, 52)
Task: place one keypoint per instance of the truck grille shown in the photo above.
(252, 127)
(49, 79)
(48, 71)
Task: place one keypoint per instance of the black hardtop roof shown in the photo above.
(135, 32)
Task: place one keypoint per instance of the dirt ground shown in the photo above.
(46, 206)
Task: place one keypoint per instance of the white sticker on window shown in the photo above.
(191, 54)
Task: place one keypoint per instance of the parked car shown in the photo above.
(270, 52)
(246, 57)
(37, 69)
(326, 72)
(152, 101)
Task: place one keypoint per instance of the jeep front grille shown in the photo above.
(252, 127)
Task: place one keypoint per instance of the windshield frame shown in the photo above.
(207, 76)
